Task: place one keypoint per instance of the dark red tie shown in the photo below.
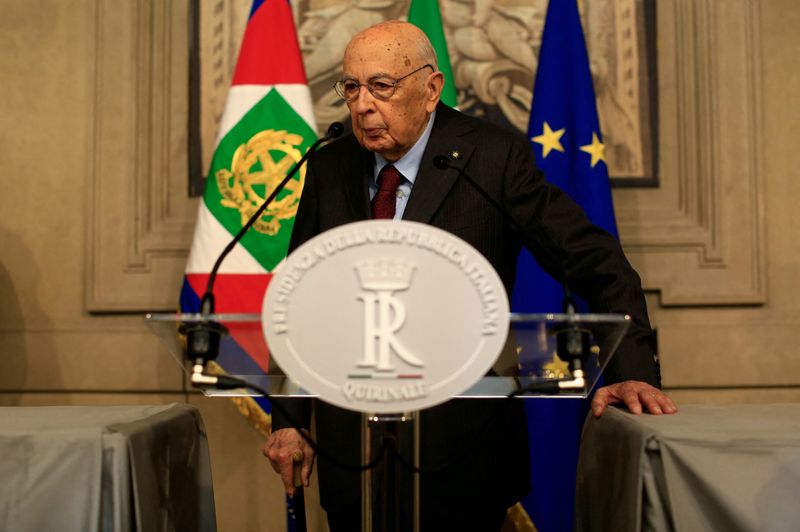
(385, 200)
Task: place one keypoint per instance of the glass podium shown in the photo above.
(529, 365)
(546, 356)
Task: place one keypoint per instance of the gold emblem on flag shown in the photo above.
(257, 167)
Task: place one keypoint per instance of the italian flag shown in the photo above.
(268, 124)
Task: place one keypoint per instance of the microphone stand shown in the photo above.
(573, 345)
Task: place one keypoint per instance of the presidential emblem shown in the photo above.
(384, 313)
(257, 167)
(384, 316)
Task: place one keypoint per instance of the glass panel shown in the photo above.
(528, 366)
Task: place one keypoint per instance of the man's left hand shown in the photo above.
(635, 395)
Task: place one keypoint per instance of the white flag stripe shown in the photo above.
(210, 238)
(242, 98)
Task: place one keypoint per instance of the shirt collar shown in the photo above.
(408, 164)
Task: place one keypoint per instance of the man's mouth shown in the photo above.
(372, 131)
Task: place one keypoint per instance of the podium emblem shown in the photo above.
(385, 316)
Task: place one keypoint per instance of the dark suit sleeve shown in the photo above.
(306, 226)
(591, 261)
(306, 223)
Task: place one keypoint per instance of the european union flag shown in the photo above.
(565, 133)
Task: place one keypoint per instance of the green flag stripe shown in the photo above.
(271, 124)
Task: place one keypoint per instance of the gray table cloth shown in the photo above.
(706, 468)
(121, 468)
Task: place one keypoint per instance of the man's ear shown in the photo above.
(434, 90)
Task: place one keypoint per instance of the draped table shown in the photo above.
(118, 468)
(706, 468)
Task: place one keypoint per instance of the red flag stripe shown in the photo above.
(239, 294)
(270, 53)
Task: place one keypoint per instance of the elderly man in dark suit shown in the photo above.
(392, 88)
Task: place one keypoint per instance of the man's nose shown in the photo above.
(365, 101)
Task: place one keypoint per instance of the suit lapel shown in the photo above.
(432, 184)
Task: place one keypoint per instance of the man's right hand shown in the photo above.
(281, 448)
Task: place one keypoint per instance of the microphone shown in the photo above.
(203, 338)
(573, 344)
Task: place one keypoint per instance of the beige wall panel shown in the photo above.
(43, 102)
(733, 355)
(89, 399)
(711, 348)
(698, 238)
(735, 396)
(781, 82)
(735, 346)
(87, 360)
(47, 341)
(140, 219)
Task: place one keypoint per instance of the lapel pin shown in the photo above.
(455, 155)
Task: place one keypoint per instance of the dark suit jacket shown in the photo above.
(556, 232)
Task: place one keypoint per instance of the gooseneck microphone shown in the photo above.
(202, 338)
(573, 343)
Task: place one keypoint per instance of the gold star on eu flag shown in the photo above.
(556, 368)
(596, 149)
(549, 139)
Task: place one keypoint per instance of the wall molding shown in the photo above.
(141, 219)
(699, 238)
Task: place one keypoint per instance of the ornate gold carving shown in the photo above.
(253, 165)
(518, 520)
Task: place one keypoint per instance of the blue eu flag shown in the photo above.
(565, 134)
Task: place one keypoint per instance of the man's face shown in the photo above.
(390, 127)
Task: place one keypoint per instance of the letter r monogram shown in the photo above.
(384, 315)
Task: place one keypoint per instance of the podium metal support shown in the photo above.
(390, 490)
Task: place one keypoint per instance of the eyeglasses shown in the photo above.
(380, 87)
